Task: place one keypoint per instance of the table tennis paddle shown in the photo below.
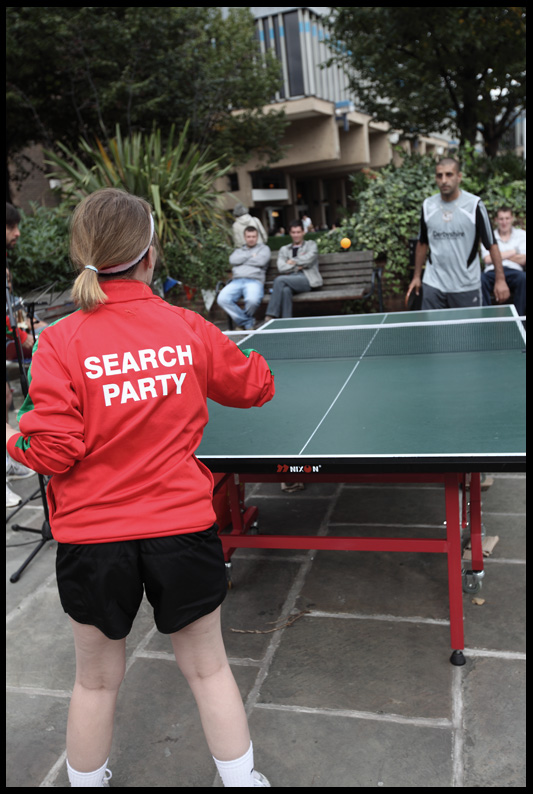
(413, 303)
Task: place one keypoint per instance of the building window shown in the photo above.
(233, 180)
(277, 42)
(265, 180)
(294, 53)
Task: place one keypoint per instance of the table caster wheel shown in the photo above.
(457, 658)
(472, 581)
(228, 575)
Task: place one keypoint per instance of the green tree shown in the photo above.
(436, 69)
(79, 71)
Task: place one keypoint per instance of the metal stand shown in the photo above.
(45, 532)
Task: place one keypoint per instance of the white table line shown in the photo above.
(344, 384)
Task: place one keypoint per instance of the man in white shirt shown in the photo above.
(308, 223)
(512, 245)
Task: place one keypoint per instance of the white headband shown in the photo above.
(127, 265)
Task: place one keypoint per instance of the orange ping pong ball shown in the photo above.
(346, 242)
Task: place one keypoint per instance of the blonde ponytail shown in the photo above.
(86, 291)
(108, 228)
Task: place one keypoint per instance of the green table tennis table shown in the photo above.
(434, 396)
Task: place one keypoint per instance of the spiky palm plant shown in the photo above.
(177, 179)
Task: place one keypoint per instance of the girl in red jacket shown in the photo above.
(115, 411)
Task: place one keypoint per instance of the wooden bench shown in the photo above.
(348, 276)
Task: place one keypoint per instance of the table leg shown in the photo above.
(465, 484)
(455, 579)
(242, 518)
(475, 523)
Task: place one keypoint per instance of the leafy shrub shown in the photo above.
(498, 180)
(41, 254)
(389, 215)
(177, 178)
(200, 263)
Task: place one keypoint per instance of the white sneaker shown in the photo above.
(260, 780)
(16, 471)
(107, 777)
(12, 499)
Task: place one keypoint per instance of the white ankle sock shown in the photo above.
(86, 779)
(237, 773)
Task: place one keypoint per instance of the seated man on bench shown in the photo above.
(249, 266)
(298, 266)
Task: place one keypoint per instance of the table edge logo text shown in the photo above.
(283, 468)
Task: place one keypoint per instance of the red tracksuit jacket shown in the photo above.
(116, 409)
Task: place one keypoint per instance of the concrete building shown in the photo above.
(327, 139)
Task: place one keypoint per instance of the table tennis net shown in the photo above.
(392, 339)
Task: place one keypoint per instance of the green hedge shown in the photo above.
(278, 241)
(41, 254)
(387, 218)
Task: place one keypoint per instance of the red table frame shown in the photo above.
(456, 511)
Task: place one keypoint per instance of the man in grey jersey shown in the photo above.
(452, 224)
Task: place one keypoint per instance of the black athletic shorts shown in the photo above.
(102, 584)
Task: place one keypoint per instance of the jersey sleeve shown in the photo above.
(237, 378)
(423, 229)
(51, 424)
(10, 335)
(484, 228)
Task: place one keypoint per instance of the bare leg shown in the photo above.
(100, 666)
(201, 657)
